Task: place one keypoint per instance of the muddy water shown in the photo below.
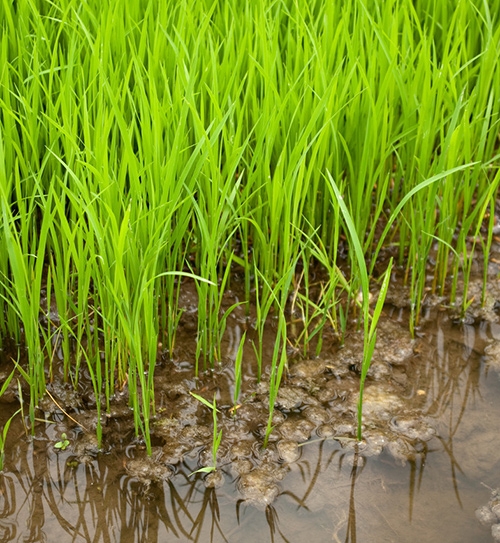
(431, 450)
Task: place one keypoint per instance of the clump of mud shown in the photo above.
(489, 514)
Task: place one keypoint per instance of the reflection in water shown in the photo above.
(351, 525)
(273, 522)
(8, 508)
(453, 384)
(335, 492)
(50, 495)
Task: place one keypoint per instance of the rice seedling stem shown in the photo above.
(217, 435)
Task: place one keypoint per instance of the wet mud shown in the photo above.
(430, 442)
(489, 514)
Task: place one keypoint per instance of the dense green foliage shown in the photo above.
(141, 139)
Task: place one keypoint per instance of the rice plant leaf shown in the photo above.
(405, 199)
(206, 469)
(381, 298)
(6, 383)
(201, 399)
(360, 257)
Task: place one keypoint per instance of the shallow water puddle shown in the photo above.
(421, 479)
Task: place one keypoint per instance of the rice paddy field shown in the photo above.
(281, 165)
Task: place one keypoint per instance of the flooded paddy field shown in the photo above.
(199, 202)
(429, 458)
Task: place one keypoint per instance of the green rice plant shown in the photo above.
(369, 321)
(63, 443)
(279, 295)
(138, 322)
(217, 435)
(278, 364)
(73, 285)
(419, 273)
(464, 140)
(307, 317)
(328, 308)
(261, 316)
(487, 246)
(237, 371)
(471, 227)
(322, 312)
(24, 286)
(267, 297)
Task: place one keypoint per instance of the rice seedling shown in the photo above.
(369, 321)
(63, 443)
(278, 364)
(279, 357)
(471, 228)
(23, 291)
(487, 246)
(217, 435)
